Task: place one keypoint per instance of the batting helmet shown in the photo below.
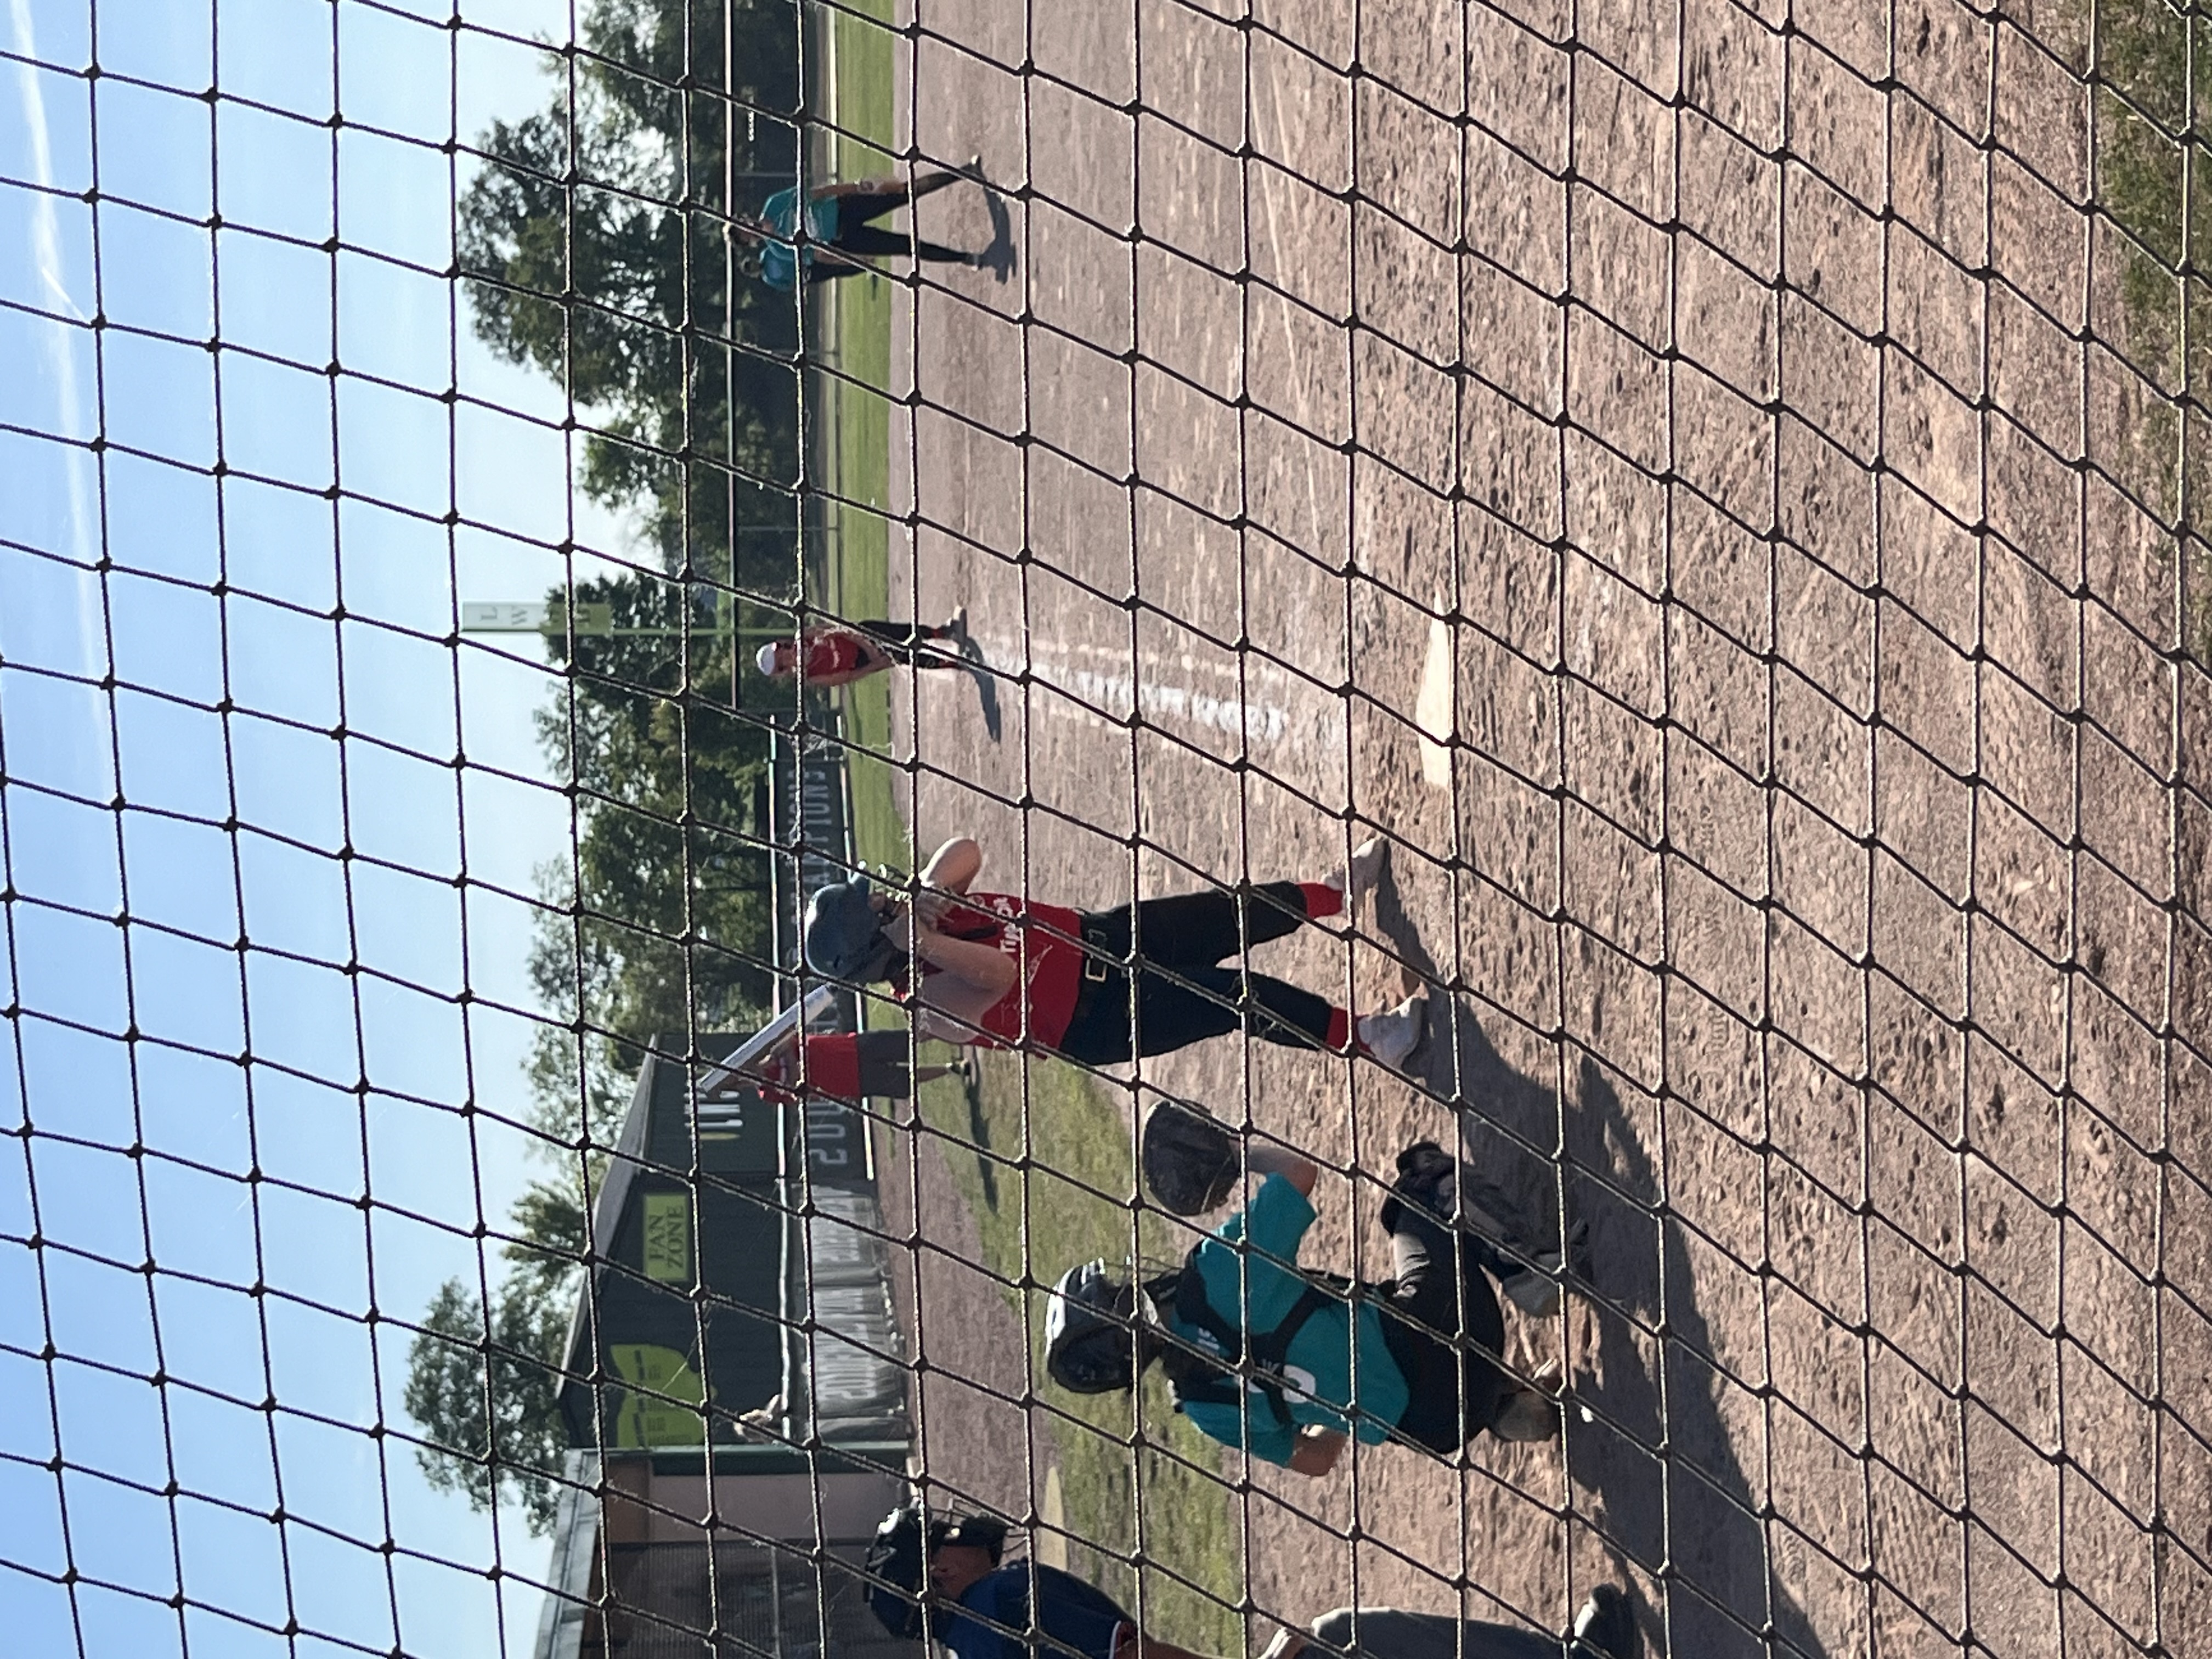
(900, 1558)
(844, 934)
(1090, 1342)
(764, 658)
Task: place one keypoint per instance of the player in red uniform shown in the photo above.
(837, 656)
(849, 1065)
(999, 971)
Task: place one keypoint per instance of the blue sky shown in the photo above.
(167, 158)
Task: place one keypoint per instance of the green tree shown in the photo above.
(593, 240)
(662, 922)
(487, 1394)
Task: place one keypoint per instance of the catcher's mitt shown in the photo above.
(1190, 1162)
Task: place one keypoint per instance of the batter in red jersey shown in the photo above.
(1098, 987)
(838, 656)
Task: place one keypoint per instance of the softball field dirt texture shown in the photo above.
(1675, 469)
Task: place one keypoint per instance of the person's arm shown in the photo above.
(1301, 1172)
(859, 670)
(1317, 1451)
(931, 1023)
(954, 866)
(873, 659)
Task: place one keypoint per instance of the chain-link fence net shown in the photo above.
(1709, 489)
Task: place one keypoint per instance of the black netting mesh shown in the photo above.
(1711, 487)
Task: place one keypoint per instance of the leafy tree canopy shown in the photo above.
(593, 235)
(593, 238)
(487, 1394)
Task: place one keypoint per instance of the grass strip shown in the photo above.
(864, 64)
(1190, 1521)
(2154, 179)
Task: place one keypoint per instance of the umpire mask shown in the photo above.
(900, 1554)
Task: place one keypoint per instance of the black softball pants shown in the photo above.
(857, 231)
(899, 639)
(1443, 1293)
(1183, 995)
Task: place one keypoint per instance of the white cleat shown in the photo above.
(1393, 1038)
(1358, 879)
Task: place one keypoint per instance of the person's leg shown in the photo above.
(1199, 929)
(884, 196)
(863, 206)
(1194, 1004)
(928, 184)
(885, 1066)
(901, 639)
(868, 243)
(1444, 1296)
(1393, 1633)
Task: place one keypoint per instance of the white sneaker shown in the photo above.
(1357, 879)
(1393, 1038)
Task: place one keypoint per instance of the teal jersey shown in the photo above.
(1242, 1268)
(781, 260)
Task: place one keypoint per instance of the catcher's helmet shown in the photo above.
(900, 1557)
(844, 934)
(1090, 1336)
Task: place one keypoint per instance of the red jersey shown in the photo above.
(832, 651)
(1054, 967)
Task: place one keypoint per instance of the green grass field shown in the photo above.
(2154, 178)
(863, 341)
(1190, 1523)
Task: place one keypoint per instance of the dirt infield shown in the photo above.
(1634, 456)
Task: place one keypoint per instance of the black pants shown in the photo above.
(1193, 998)
(885, 1070)
(857, 231)
(899, 639)
(1442, 1294)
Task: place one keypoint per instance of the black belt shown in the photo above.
(1100, 959)
(1102, 966)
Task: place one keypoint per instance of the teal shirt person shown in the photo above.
(782, 256)
(1338, 1342)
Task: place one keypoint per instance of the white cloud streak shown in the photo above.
(69, 389)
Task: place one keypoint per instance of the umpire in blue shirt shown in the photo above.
(941, 1577)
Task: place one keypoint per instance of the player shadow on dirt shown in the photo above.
(1694, 1507)
(978, 667)
(998, 257)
